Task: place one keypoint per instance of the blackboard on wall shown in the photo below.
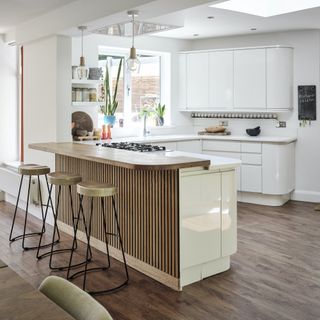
(307, 104)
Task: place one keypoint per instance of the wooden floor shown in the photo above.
(274, 275)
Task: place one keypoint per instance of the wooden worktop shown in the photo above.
(121, 158)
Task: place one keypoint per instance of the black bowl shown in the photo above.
(253, 132)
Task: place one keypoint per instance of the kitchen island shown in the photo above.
(178, 210)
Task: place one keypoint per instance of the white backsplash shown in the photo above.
(239, 126)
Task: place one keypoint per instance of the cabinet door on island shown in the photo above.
(208, 223)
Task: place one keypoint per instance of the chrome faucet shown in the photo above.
(145, 131)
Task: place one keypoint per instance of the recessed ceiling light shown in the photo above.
(267, 8)
(210, 17)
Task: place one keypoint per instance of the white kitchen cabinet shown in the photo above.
(221, 80)
(250, 79)
(221, 145)
(200, 218)
(251, 178)
(182, 83)
(194, 146)
(244, 79)
(278, 168)
(197, 81)
(279, 78)
(231, 155)
(228, 214)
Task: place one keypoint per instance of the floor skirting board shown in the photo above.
(263, 199)
(307, 196)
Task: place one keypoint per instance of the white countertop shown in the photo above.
(183, 137)
(217, 163)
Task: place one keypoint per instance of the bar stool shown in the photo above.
(101, 191)
(31, 170)
(61, 179)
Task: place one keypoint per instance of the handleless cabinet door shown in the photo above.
(279, 78)
(194, 146)
(251, 178)
(197, 81)
(200, 218)
(182, 81)
(221, 80)
(228, 214)
(250, 79)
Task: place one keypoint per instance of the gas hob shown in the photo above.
(131, 146)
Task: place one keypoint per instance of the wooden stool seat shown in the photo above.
(96, 189)
(64, 178)
(33, 170)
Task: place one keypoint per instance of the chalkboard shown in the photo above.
(307, 104)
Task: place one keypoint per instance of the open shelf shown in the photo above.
(86, 82)
(85, 104)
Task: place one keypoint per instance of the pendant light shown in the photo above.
(82, 70)
(133, 63)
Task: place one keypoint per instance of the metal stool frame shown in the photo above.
(88, 235)
(55, 229)
(43, 215)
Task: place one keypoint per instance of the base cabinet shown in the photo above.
(267, 168)
(208, 223)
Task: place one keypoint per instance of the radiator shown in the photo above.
(9, 183)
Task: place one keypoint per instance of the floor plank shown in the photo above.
(274, 275)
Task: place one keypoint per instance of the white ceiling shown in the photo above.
(15, 12)
(227, 23)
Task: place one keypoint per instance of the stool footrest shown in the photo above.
(27, 235)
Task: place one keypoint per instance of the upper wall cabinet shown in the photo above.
(250, 79)
(254, 79)
(279, 78)
(197, 81)
(221, 80)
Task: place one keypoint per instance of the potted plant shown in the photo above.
(159, 112)
(111, 104)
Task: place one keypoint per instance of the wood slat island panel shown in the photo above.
(148, 207)
(121, 158)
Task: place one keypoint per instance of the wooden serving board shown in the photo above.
(205, 133)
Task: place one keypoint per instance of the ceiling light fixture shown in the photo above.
(210, 17)
(267, 8)
(133, 63)
(82, 70)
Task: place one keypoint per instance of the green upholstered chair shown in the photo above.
(79, 304)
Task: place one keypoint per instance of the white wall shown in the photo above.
(181, 122)
(8, 102)
(47, 95)
(306, 71)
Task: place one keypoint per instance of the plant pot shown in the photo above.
(160, 121)
(109, 120)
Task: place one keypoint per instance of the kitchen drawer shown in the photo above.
(251, 158)
(194, 146)
(251, 178)
(214, 145)
(251, 147)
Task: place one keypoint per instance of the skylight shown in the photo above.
(267, 8)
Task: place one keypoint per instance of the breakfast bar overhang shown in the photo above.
(177, 211)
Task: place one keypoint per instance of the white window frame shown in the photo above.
(165, 80)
